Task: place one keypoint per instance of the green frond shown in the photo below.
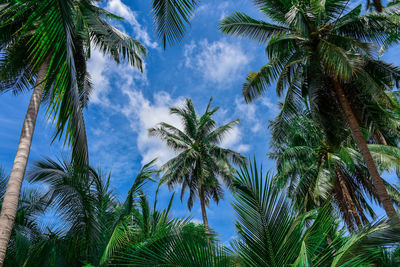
(241, 25)
(171, 18)
(257, 83)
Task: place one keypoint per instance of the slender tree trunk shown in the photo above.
(203, 207)
(350, 203)
(378, 5)
(366, 154)
(11, 197)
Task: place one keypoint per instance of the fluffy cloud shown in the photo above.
(97, 66)
(122, 10)
(220, 62)
(144, 114)
(103, 69)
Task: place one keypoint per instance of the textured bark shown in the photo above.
(351, 208)
(11, 197)
(203, 207)
(366, 154)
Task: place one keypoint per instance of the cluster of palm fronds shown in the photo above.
(94, 229)
(338, 127)
(336, 133)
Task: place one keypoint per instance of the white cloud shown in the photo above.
(97, 66)
(242, 148)
(220, 62)
(102, 69)
(249, 112)
(234, 139)
(122, 10)
(143, 114)
(222, 7)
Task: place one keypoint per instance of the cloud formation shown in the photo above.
(220, 62)
(144, 114)
(103, 70)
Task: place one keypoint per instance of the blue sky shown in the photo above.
(126, 103)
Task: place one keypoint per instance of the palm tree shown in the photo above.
(45, 45)
(135, 221)
(200, 161)
(317, 170)
(271, 233)
(95, 223)
(318, 50)
(83, 200)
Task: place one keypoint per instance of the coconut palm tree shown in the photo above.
(135, 221)
(83, 200)
(322, 51)
(95, 223)
(45, 45)
(200, 161)
(318, 171)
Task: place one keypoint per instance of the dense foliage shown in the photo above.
(337, 132)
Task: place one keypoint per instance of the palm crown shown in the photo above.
(323, 55)
(200, 161)
(309, 39)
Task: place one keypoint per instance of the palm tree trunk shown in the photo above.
(11, 197)
(203, 207)
(351, 209)
(366, 154)
(378, 5)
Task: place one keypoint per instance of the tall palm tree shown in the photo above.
(321, 51)
(200, 161)
(45, 45)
